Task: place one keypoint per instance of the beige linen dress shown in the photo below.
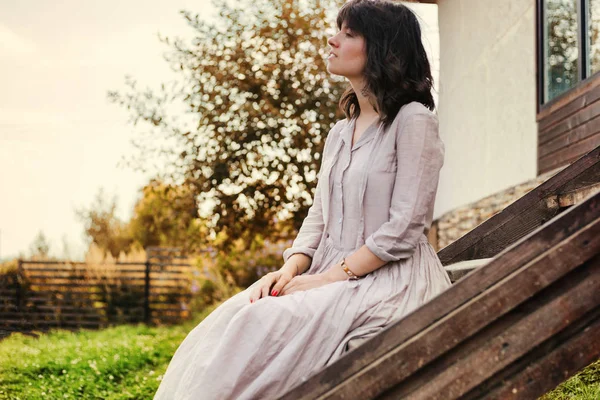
(379, 193)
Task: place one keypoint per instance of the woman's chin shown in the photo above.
(333, 71)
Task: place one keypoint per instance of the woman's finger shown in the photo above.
(256, 293)
(267, 285)
(253, 295)
(288, 287)
(279, 285)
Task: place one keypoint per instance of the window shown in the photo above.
(594, 36)
(570, 44)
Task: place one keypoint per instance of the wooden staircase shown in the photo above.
(525, 318)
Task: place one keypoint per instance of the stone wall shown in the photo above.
(456, 223)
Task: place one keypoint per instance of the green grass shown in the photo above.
(584, 385)
(123, 362)
(126, 362)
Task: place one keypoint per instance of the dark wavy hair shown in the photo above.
(397, 70)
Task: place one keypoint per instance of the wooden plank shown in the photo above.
(62, 310)
(26, 263)
(568, 105)
(166, 311)
(553, 367)
(56, 316)
(110, 272)
(52, 293)
(53, 269)
(33, 310)
(79, 270)
(85, 275)
(72, 308)
(519, 218)
(67, 278)
(86, 288)
(105, 274)
(468, 299)
(74, 287)
(60, 287)
(169, 290)
(568, 154)
(43, 324)
(82, 302)
(568, 138)
(589, 178)
(576, 196)
(580, 119)
(538, 320)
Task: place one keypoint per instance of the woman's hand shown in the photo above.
(305, 282)
(278, 278)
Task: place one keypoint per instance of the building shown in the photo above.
(519, 98)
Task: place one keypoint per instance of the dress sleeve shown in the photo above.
(420, 156)
(309, 235)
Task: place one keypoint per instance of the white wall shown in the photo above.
(427, 15)
(487, 98)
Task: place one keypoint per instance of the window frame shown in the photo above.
(583, 49)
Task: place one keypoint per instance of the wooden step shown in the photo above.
(528, 213)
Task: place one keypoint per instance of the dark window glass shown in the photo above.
(594, 37)
(560, 47)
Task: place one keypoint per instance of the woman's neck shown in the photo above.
(366, 109)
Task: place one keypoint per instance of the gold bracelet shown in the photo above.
(352, 275)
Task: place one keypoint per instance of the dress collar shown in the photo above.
(366, 137)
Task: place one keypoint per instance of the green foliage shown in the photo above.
(260, 103)
(124, 362)
(584, 385)
(167, 215)
(164, 215)
(104, 228)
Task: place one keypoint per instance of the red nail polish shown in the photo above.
(274, 293)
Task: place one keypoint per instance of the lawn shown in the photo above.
(123, 362)
(126, 362)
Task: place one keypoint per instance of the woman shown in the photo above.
(371, 212)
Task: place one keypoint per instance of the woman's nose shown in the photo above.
(332, 42)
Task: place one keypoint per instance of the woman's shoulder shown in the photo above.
(412, 111)
(415, 108)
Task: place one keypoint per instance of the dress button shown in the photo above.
(340, 220)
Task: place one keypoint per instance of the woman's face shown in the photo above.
(348, 54)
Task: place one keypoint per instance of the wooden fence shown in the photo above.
(44, 294)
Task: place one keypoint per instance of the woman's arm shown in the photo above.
(420, 155)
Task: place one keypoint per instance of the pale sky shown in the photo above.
(60, 138)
